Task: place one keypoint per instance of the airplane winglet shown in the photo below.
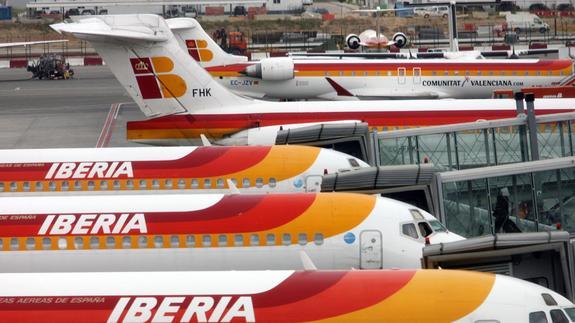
(306, 261)
(205, 141)
(232, 187)
(341, 91)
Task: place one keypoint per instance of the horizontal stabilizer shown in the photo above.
(29, 43)
(105, 28)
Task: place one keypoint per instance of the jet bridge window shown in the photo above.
(557, 316)
(537, 317)
(409, 230)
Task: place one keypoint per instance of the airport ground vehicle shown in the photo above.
(50, 67)
(252, 169)
(192, 103)
(463, 77)
(525, 22)
(212, 232)
(278, 296)
(435, 11)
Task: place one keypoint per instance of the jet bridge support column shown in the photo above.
(532, 126)
(519, 97)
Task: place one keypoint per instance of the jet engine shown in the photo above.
(352, 41)
(400, 40)
(272, 69)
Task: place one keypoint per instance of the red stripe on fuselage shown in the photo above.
(374, 119)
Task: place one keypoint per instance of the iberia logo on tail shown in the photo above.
(155, 80)
(198, 50)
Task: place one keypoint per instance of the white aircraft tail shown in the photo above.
(194, 40)
(146, 58)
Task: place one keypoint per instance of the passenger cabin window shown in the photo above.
(155, 184)
(126, 242)
(286, 239)
(254, 240)
(195, 183)
(302, 239)
(143, 183)
(65, 186)
(207, 183)
(222, 240)
(174, 241)
(104, 185)
(190, 241)
(13, 186)
(272, 182)
(14, 244)
(220, 183)
(46, 243)
(168, 183)
(239, 240)
(142, 242)
(110, 242)
(557, 316)
(318, 239)
(30, 244)
(26, 186)
(1, 187)
(130, 184)
(537, 317)
(246, 182)
(206, 240)
(259, 182)
(91, 185)
(409, 230)
(181, 184)
(39, 186)
(78, 243)
(94, 243)
(158, 241)
(270, 239)
(77, 185)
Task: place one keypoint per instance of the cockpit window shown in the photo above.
(571, 312)
(537, 317)
(353, 162)
(409, 230)
(424, 229)
(557, 316)
(416, 214)
(549, 300)
(437, 226)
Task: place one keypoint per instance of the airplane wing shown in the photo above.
(29, 43)
(342, 93)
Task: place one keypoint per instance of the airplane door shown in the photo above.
(401, 75)
(370, 250)
(416, 75)
(313, 183)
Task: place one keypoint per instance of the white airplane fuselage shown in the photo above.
(394, 79)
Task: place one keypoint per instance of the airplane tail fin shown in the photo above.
(194, 40)
(146, 58)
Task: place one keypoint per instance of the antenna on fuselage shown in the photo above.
(232, 187)
(306, 261)
(205, 141)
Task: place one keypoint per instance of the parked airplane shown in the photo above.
(186, 102)
(252, 169)
(353, 78)
(212, 232)
(278, 296)
(371, 39)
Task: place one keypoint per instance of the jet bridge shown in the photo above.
(544, 258)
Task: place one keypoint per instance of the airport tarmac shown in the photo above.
(87, 111)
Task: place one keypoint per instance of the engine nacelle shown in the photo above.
(272, 69)
(400, 40)
(352, 41)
